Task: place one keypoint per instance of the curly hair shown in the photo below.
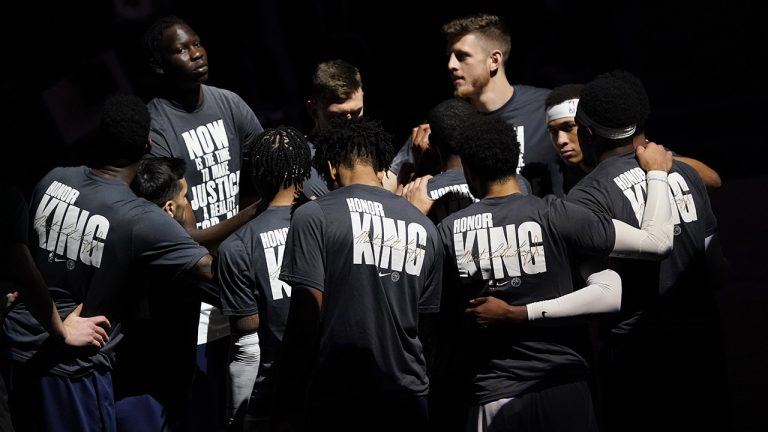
(335, 81)
(280, 157)
(123, 131)
(445, 120)
(350, 142)
(489, 149)
(490, 27)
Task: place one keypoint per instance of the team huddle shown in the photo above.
(527, 261)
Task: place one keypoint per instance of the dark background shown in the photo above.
(701, 63)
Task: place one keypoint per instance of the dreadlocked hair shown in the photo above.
(353, 141)
(280, 157)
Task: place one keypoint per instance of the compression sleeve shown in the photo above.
(654, 238)
(243, 369)
(601, 295)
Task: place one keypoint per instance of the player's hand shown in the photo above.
(653, 157)
(420, 140)
(491, 311)
(416, 193)
(79, 331)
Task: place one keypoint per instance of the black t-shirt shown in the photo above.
(315, 185)
(377, 260)
(517, 248)
(450, 190)
(617, 188)
(89, 234)
(247, 271)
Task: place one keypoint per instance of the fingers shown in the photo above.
(100, 337)
(100, 320)
(479, 300)
(77, 310)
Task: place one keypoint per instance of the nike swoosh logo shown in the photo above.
(543, 314)
(384, 274)
(58, 260)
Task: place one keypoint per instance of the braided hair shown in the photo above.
(280, 158)
(353, 141)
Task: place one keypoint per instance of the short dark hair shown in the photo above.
(349, 142)
(563, 93)
(280, 157)
(123, 131)
(445, 120)
(158, 179)
(153, 37)
(335, 81)
(490, 27)
(489, 148)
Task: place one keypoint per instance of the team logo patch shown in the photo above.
(516, 282)
(395, 276)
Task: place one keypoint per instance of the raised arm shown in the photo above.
(709, 176)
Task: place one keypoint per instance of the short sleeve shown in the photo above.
(239, 296)
(246, 121)
(430, 298)
(159, 241)
(582, 229)
(304, 258)
(160, 146)
(591, 197)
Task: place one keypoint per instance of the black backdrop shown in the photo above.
(699, 61)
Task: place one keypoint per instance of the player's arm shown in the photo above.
(212, 236)
(602, 294)
(655, 237)
(709, 176)
(74, 330)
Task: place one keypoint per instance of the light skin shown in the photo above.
(477, 71)
(323, 113)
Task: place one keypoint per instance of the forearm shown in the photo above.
(34, 292)
(212, 236)
(655, 237)
(709, 176)
(601, 295)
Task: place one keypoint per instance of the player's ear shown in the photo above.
(169, 207)
(332, 170)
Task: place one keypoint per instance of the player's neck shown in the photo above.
(501, 188)
(498, 92)
(453, 162)
(359, 174)
(187, 98)
(284, 197)
(124, 174)
(617, 151)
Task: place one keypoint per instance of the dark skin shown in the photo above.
(184, 69)
(203, 269)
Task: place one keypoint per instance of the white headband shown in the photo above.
(605, 131)
(563, 109)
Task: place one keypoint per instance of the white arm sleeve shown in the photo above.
(654, 238)
(243, 369)
(601, 295)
